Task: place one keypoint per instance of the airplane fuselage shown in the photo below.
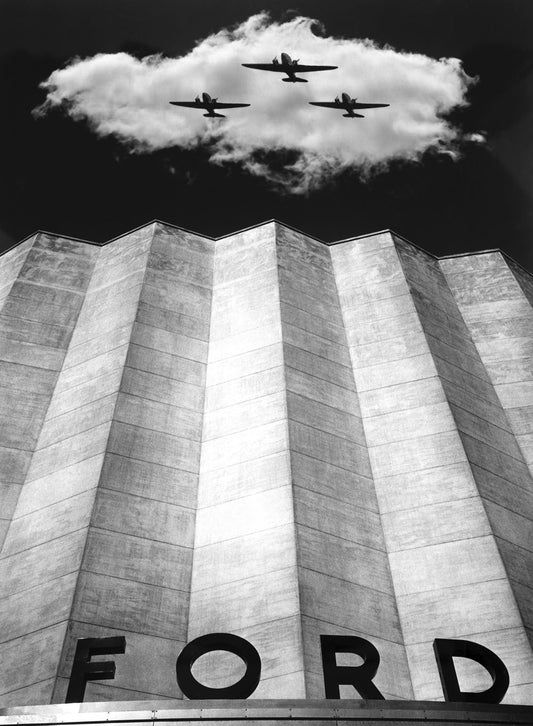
(348, 104)
(286, 60)
(211, 105)
(290, 66)
(208, 103)
(287, 63)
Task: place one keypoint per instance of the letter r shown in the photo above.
(360, 677)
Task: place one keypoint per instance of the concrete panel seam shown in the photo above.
(33, 587)
(78, 433)
(37, 630)
(386, 595)
(52, 539)
(101, 335)
(245, 579)
(521, 461)
(449, 539)
(99, 528)
(129, 579)
(432, 504)
(314, 375)
(359, 632)
(325, 461)
(339, 536)
(240, 536)
(411, 380)
(72, 410)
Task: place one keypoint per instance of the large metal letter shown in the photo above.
(218, 641)
(82, 668)
(360, 677)
(446, 650)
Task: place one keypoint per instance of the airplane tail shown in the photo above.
(212, 115)
(352, 115)
(294, 79)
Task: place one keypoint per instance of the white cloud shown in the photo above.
(127, 97)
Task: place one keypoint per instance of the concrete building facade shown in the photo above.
(269, 436)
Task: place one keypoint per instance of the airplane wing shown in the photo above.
(230, 105)
(307, 69)
(370, 105)
(187, 104)
(325, 104)
(265, 67)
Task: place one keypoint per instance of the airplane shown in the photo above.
(348, 104)
(208, 104)
(288, 66)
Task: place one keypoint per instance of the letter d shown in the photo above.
(446, 650)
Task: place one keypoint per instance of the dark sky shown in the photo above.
(55, 174)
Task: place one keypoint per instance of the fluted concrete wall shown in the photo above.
(436, 431)
(244, 565)
(267, 436)
(497, 309)
(101, 536)
(343, 572)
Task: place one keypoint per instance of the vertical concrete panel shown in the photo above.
(489, 446)
(244, 569)
(43, 283)
(105, 519)
(343, 572)
(13, 430)
(494, 297)
(136, 568)
(47, 278)
(42, 546)
(10, 264)
(421, 388)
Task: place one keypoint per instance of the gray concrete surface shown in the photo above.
(498, 312)
(266, 436)
(451, 575)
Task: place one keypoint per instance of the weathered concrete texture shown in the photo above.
(494, 296)
(10, 264)
(136, 567)
(49, 531)
(343, 572)
(434, 427)
(265, 436)
(244, 569)
(102, 534)
(42, 545)
(43, 283)
(288, 540)
(485, 433)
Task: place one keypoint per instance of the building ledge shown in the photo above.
(233, 711)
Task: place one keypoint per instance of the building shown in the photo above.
(268, 436)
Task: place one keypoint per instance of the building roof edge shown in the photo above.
(260, 224)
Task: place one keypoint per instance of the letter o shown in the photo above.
(218, 641)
